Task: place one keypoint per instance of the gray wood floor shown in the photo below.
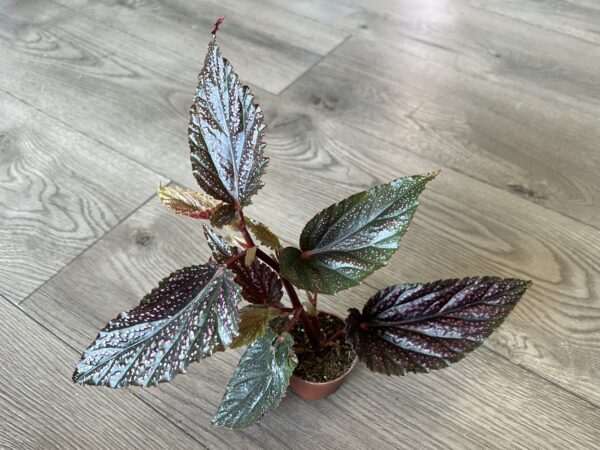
(503, 96)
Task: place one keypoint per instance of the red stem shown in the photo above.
(234, 258)
(335, 336)
(292, 321)
(313, 330)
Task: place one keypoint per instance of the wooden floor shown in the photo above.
(502, 95)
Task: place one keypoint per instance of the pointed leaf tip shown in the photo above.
(348, 241)
(191, 314)
(259, 382)
(217, 25)
(422, 327)
(225, 133)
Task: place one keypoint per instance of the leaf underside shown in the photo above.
(349, 240)
(191, 314)
(187, 202)
(259, 283)
(226, 133)
(254, 322)
(420, 327)
(259, 381)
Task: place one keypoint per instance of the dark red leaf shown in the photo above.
(419, 327)
(259, 283)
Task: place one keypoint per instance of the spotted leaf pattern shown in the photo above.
(254, 322)
(349, 240)
(264, 235)
(191, 314)
(259, 283)
(187, 202)
(420, 327)
(259, 381)
(226, 133)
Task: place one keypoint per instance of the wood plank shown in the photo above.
(486, 45)
(41, 408)
(483, 402)
(531, 147)
(512, 140)
(285, 43)
(60, 191)
(580, 19)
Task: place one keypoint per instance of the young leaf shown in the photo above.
(348, 241)
(259, 381)
(250, 256)
(420, 327)
(264, 235)
(187, 202)
(223, 215)
(254, 322)
(226, 133)
(260, 285)
(191, 314)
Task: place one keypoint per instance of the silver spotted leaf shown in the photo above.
(420, 327)
(226, 133)
(223, 215)
(259, 381)
(349, 240)
(191, 314)
(259, 283)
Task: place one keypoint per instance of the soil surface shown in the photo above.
(328, 364)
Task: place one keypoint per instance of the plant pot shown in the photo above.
(316, 391)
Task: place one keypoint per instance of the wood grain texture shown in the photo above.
(119, 269)
(580, 19)
(59, 192)
(41, 408)
(504, 99)
(484, 44)
(251, 37)
(517, 142)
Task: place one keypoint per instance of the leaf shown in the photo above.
(223, 215)
(259, 283)
(419, 327)
(187, 202)
(254, 322)
(263, 234)
(226, 133)
(348, 241)
(259, 381)
(250, 256)
(191, 314)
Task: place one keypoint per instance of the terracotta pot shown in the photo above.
(317, 391)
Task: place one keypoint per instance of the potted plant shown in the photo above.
(197, 310)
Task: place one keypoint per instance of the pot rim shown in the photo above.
(354, 361)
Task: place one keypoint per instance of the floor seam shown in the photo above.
(92, 245)
(78, 351)
(317, 62)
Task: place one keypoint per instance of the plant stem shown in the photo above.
(244, 230)
(335, 336)
(234, 258)
(313, 329)
(292, 321)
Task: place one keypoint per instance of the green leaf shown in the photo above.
(226, 133)
(420, 327)
(191, 314)
(254, 322)
(259, 283)
(264, 235)
(186, 202)
(348, 241)
(259, 381)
